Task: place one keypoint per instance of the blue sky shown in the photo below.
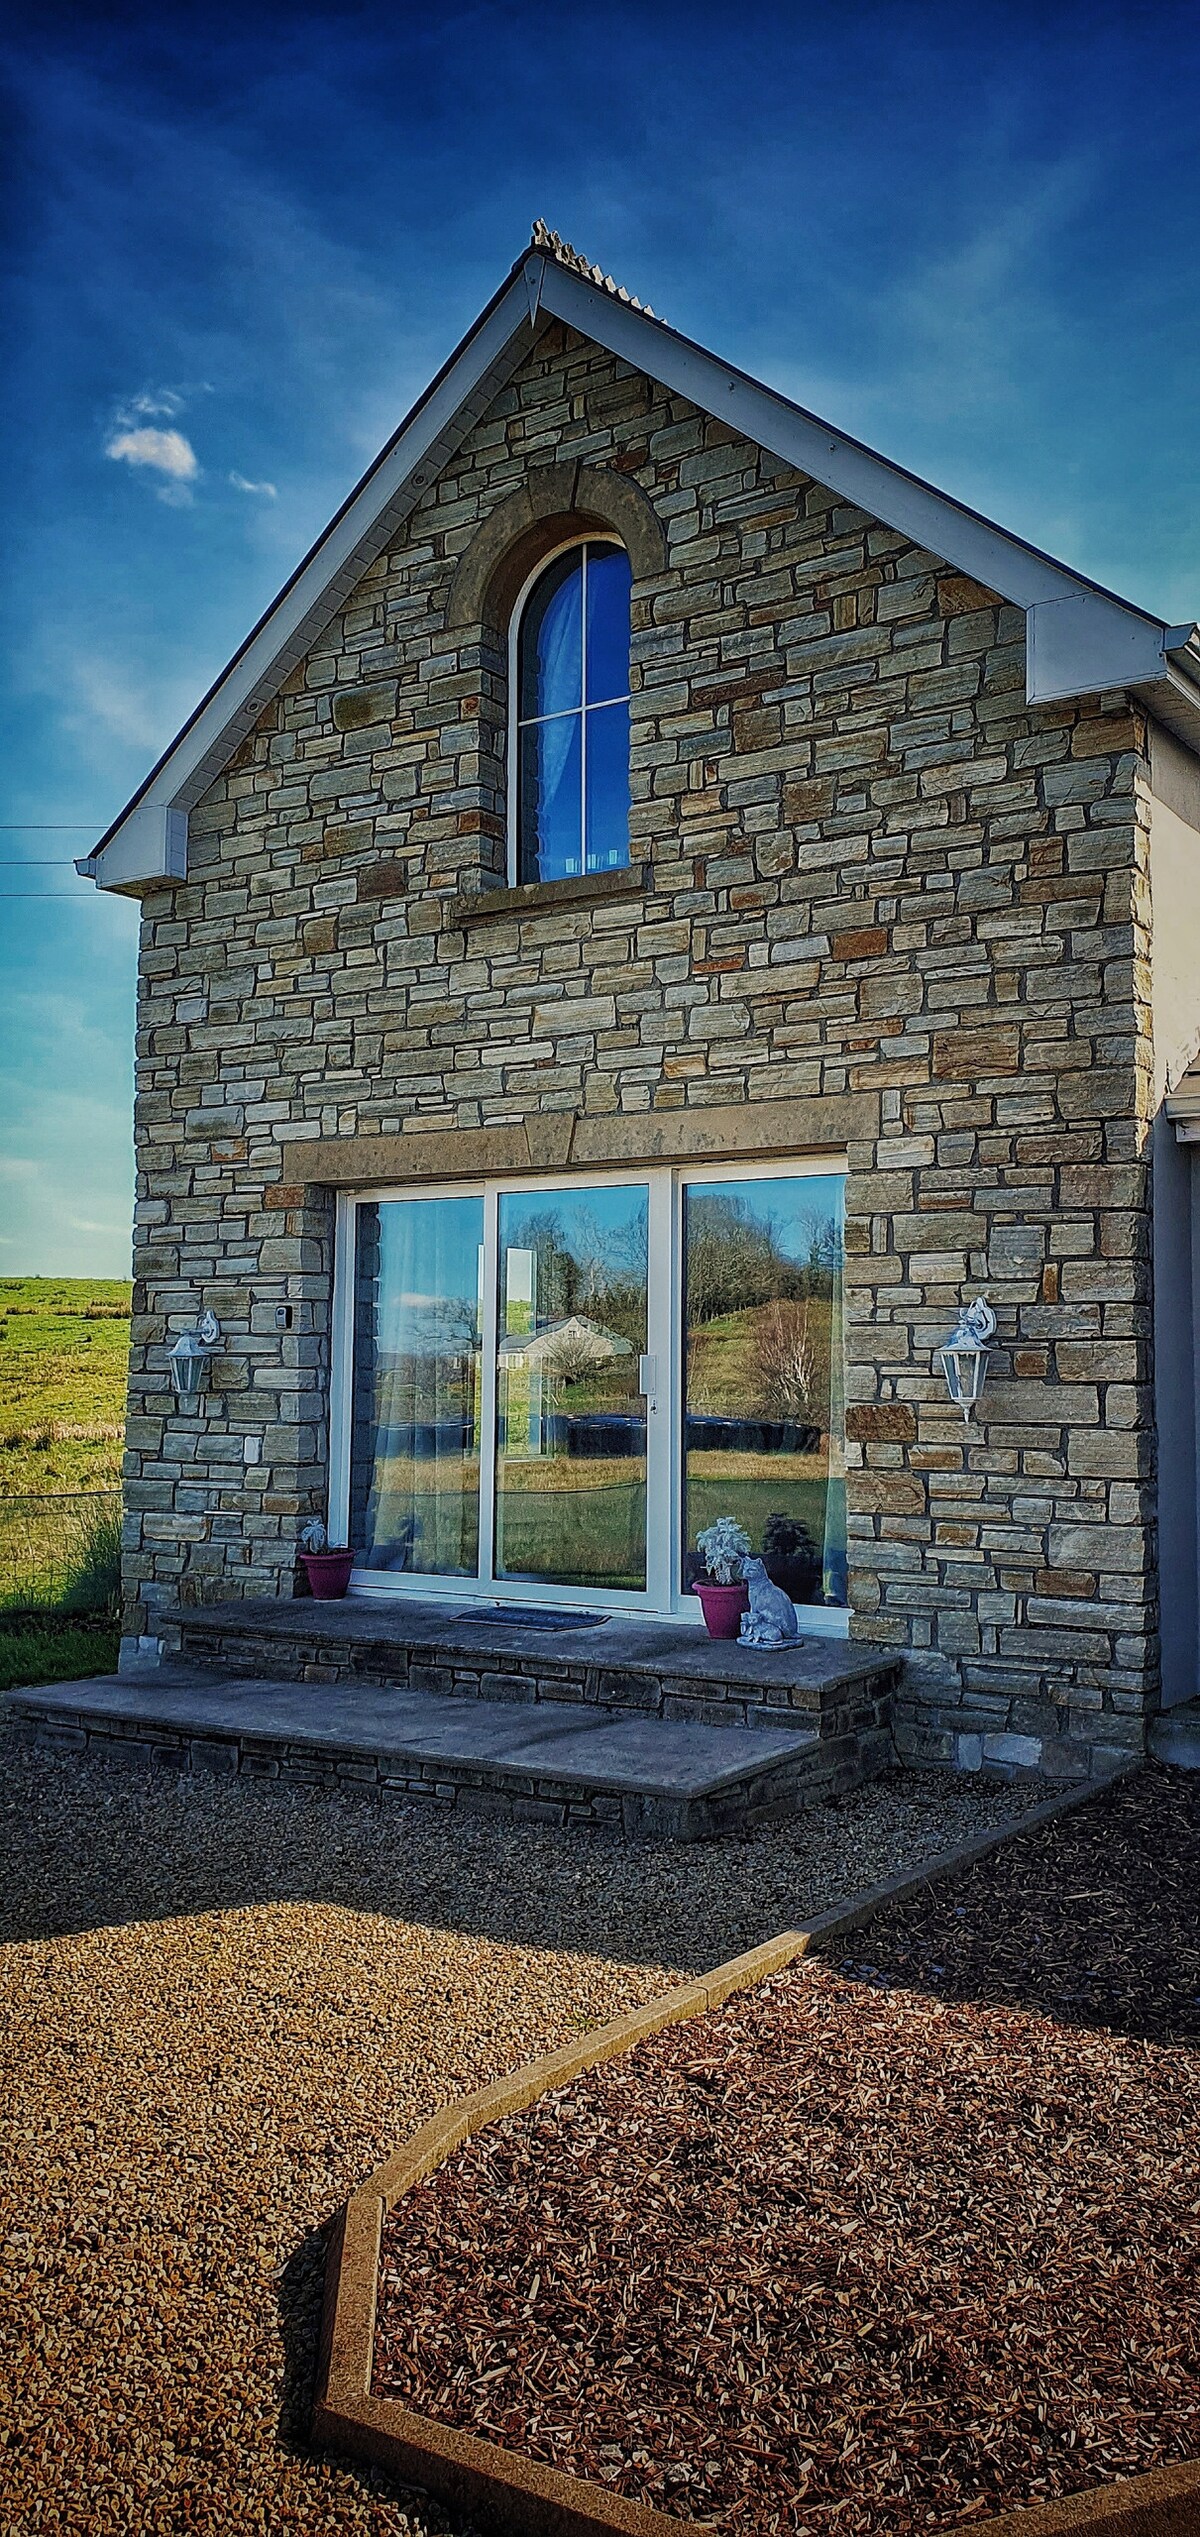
(964, 234)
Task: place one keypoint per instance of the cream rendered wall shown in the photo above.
(1175, 1005)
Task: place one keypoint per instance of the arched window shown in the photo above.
(570, 738)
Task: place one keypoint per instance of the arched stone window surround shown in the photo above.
(554, 505)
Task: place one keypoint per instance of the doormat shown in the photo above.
(543, 1619)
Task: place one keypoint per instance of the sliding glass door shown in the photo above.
(545, 1392)
(570, 1412)
(417, 1405)
(762, 1374)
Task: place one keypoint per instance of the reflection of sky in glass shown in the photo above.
(608, 580)
(799, 1211)
(610, 1222)
(428, 1269)
(607, 788)
(551, 793)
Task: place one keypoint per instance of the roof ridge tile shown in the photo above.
(546, 241)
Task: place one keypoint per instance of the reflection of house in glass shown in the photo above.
(538, 1368)
(567, 1349)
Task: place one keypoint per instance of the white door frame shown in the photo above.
(665, 1185)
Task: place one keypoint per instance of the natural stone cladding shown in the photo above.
(871, 868)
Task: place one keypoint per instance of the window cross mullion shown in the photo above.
(583, 729)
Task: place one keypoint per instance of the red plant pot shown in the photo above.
(328, 1573)
(723, 1606)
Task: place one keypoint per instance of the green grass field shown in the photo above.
(64, 1350)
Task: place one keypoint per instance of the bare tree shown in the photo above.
(574, 1355)
(787, 1357)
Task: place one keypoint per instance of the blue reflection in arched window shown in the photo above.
(572, 734)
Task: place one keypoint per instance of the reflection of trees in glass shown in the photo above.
(761, 1283)
(435, 1361)
(737, 1256)
(590, 1268)
(575, 1355)
(785, 1342)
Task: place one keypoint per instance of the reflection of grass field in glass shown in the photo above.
(573, 1523)
(726, 1378)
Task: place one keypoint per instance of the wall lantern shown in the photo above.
(190, 1359)
(964, 1355)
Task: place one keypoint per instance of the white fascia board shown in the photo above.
(1081, 644)
(1082, 639)
(886, 492)
(338, 562)
(1183, 1110)
(149, 846)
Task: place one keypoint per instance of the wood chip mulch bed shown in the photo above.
(901, 2236)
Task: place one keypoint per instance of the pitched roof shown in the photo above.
(1081, 638)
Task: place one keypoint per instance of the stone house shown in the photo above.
(660, 866)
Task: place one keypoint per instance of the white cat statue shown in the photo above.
(771, 1620)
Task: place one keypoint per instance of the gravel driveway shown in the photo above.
(220, 2007)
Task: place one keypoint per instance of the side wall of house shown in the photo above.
(872, 871)
(1175, 995)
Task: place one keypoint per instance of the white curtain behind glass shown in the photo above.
(423, 1502)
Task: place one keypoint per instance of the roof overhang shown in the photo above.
(1082, 639)
(1183, 1106)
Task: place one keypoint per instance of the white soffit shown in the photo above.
(1183, 1106)
(1082, 639)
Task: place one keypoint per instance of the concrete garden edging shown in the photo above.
(503, 2490)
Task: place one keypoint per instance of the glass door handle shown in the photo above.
(648, 1380)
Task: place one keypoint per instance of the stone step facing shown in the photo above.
(1174, 1736)
(610, 1770)
(661, 1669)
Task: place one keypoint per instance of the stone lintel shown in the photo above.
(554, 1141)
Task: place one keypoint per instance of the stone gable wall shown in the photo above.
(871, 868)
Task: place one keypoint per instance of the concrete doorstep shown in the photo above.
(547, 1761)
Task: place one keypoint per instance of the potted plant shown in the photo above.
(791, 1557)
(723, 1591)
(328, 1571)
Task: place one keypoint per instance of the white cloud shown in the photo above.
(154, 405)
(269, 492)
(170, 453)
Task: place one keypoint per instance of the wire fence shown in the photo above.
(60, 1551)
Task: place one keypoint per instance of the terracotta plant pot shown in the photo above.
(328, 1573)
(722, 1606)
